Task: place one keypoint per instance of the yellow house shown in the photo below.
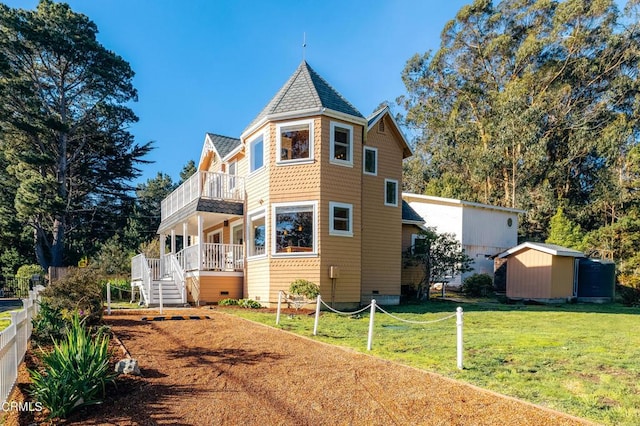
(311, 189)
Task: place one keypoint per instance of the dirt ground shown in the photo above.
(229, 371)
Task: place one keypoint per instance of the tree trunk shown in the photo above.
(39, 245)
(57, 248)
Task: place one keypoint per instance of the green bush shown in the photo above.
(80, 290)
(478, 285)
(28, 271)
(48, 326)
(304, 288)
(75, 372)
(120, 289)
(629, 290)
(248, 303)
(243, 303)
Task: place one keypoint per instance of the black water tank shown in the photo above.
(596, 278)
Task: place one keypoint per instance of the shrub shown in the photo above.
(478, 285)
(80, 291)
(120, 289)
(248, 303)
(49, 325)
(629, 290)
(243, 303)
(304, 288)
(75, 373)
(28, 271)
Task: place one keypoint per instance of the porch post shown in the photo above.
(185, 236)
(173, 241)
(162, 242)
(200, 245)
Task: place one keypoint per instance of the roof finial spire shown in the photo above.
(304, 45)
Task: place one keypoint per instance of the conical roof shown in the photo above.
(306, 90)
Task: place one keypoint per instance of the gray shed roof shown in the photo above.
(305, 90)
(552, 249)
(223, 144)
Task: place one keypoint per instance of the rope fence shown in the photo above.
(372, 307)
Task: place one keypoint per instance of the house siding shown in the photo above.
(562, 277)
(292, 183)
(209, 289)
(529, 275)
(381, 224)
(411, 274)
(341, 184)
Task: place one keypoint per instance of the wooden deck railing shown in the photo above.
(209, 185)
(215, 257)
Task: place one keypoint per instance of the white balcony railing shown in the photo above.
(217, 186)
(215, 257)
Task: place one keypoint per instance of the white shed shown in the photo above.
(483, 230)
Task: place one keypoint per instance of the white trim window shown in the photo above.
(232, 171)
(341, 147)
(340, 219)
(295, 229)
(256, 153)
(370, 161)
(294, 142)
(391, 192)
(257, 234)
(418, 244)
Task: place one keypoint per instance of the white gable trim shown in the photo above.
(208, 146)
(553, 250)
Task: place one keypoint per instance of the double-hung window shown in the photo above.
(341, 150)
(340, 219)
(294, 142)
(294, 228)
(256, 154)
(391, 192)
(370, 161)
(257, 234)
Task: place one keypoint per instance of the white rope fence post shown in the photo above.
(459, 321)
(279, 307)
(108, 298)
(373, 312)
(160, 290)
(315, 322)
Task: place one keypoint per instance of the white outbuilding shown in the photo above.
(483, 230)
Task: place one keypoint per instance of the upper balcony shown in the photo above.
(204, 186)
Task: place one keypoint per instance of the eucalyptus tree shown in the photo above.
(64, 123)
(528, 102)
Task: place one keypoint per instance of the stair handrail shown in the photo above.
(177, 274)
(146, 280)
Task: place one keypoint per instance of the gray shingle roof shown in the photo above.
(409, 214)
(305, 89)
(224, 144)
(376, 115)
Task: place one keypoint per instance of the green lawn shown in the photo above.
(579, 359)
(5, 320)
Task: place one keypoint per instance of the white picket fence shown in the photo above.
(13, 342)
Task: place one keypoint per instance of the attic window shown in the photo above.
(381, 125)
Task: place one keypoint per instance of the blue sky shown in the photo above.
(211, 66)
